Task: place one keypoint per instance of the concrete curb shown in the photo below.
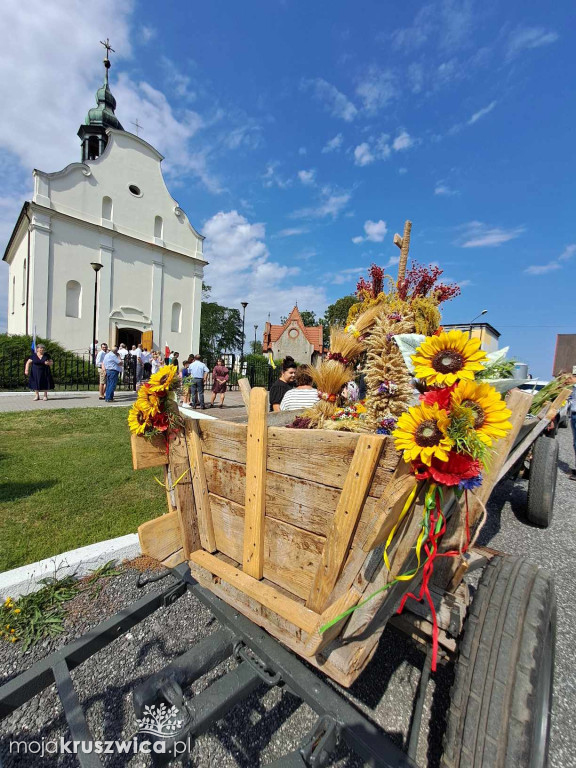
(22, 581)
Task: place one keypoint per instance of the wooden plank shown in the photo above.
(244, 387)
(175, 559)
(148, 452)
(180, 469)
(352, 498)
(255, 505)
(170, 496)
(522, 447)
(556, 404)
(298, 502)
(268, 596)
(224, 439)
(160, 538)
(200, 486)
(389, 506)
(291, 554)
(318, 641)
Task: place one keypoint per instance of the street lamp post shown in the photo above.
(243, 304)
(472, 322)
(96, 267)
(255, 339)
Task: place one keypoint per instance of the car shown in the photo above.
(535, 385)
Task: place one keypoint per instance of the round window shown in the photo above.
(135, 190)
(293, 333)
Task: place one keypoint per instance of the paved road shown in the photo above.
(269, 724)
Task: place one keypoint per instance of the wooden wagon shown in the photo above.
(288, 526)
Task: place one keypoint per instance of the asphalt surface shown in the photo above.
(270, 724)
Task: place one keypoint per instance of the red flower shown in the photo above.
(160, 422)
(458, 467)
(440, 396)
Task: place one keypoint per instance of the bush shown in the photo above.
(69, 369)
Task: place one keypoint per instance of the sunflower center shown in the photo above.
(164, 379)
(428, 434)
(140, 417)
(447, 361)
(477, 410)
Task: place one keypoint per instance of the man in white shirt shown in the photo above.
(101, 370)
(139, 366)
(199, 373)
(122, 351)
(146, 360)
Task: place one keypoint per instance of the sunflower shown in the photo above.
(421, 434)
(448, 357)
(489, 409)
(138, 417)
(162, 380)
(149, 400)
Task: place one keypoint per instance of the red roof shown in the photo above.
(273, 332)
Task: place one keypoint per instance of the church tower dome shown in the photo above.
(92, 132)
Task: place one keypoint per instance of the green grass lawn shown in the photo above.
(66, 480)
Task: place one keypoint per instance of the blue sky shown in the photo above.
(299, 136)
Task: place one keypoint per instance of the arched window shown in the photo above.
(158, 227)
(176, 317)
(24, 266)
(13, 294)
(73, 298)
(107, 208)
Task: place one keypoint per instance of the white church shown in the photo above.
(108, 219)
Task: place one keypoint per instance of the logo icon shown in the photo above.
(160, 721)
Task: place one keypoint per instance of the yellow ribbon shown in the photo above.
(165, 484)
(403, 514)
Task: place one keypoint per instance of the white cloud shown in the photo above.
(271, 177)
(527, 38)
(177, 81)
(402, 171)
(415, 36)
(374, 232)
(402, 141)
(332, 204)
(444, 189)
(333, 145)
(448, 23)
(363, 154)
(481, 112)
(241, 269)
(345, 275)
(147, 34)
(377, 89)
(555, 264)
(308, 178)
(292, 231)
(475, 234)
(302, 150)
(335, 102)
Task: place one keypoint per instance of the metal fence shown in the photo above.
(77, 373)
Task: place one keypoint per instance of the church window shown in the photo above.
(93, 148)
(73, 298)
(158, 227)
(107, 208)
(176, 317)
(13, 294)
(135, 190)
(24, 267)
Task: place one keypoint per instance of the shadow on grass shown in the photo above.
(13, 491)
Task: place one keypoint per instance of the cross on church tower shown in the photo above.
(137, 125)
(107, 59)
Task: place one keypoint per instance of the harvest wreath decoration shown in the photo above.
(155, 411)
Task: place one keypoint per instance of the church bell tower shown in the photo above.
(92, 132)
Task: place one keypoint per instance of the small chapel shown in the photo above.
(294, 339)
(103, 238)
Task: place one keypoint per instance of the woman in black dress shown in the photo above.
(38, 371)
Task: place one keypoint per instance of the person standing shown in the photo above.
(38, 369)
(199, 373)
(137, 353)
(303, 395)
(101, 370)
(113, 364)
(146, 359)
(175, 359)
(220, 376)
(284, 383)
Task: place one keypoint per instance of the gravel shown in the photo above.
(273, 722)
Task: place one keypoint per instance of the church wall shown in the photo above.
(17, 318)
(182, 284)
(299, 347)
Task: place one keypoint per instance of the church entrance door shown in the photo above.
(129, 336)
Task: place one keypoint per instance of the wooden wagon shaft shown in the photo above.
(181, 475)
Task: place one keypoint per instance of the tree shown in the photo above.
(337, 314)
(256, 348)
(220, 327)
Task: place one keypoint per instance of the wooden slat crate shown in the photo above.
(288, 526)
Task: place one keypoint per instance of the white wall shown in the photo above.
(17, 319)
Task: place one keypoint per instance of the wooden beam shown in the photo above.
(200, 486)
(350, 503)
(180, 469)
(244, 387)
(148, 452)
(265, 595)
(255, 504)
(390, 506)
(160, 538)
(317, 641)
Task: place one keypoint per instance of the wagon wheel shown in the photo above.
(542, 483)
(501, 699)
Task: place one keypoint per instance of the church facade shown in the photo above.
(112, 213)
(293, 339)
